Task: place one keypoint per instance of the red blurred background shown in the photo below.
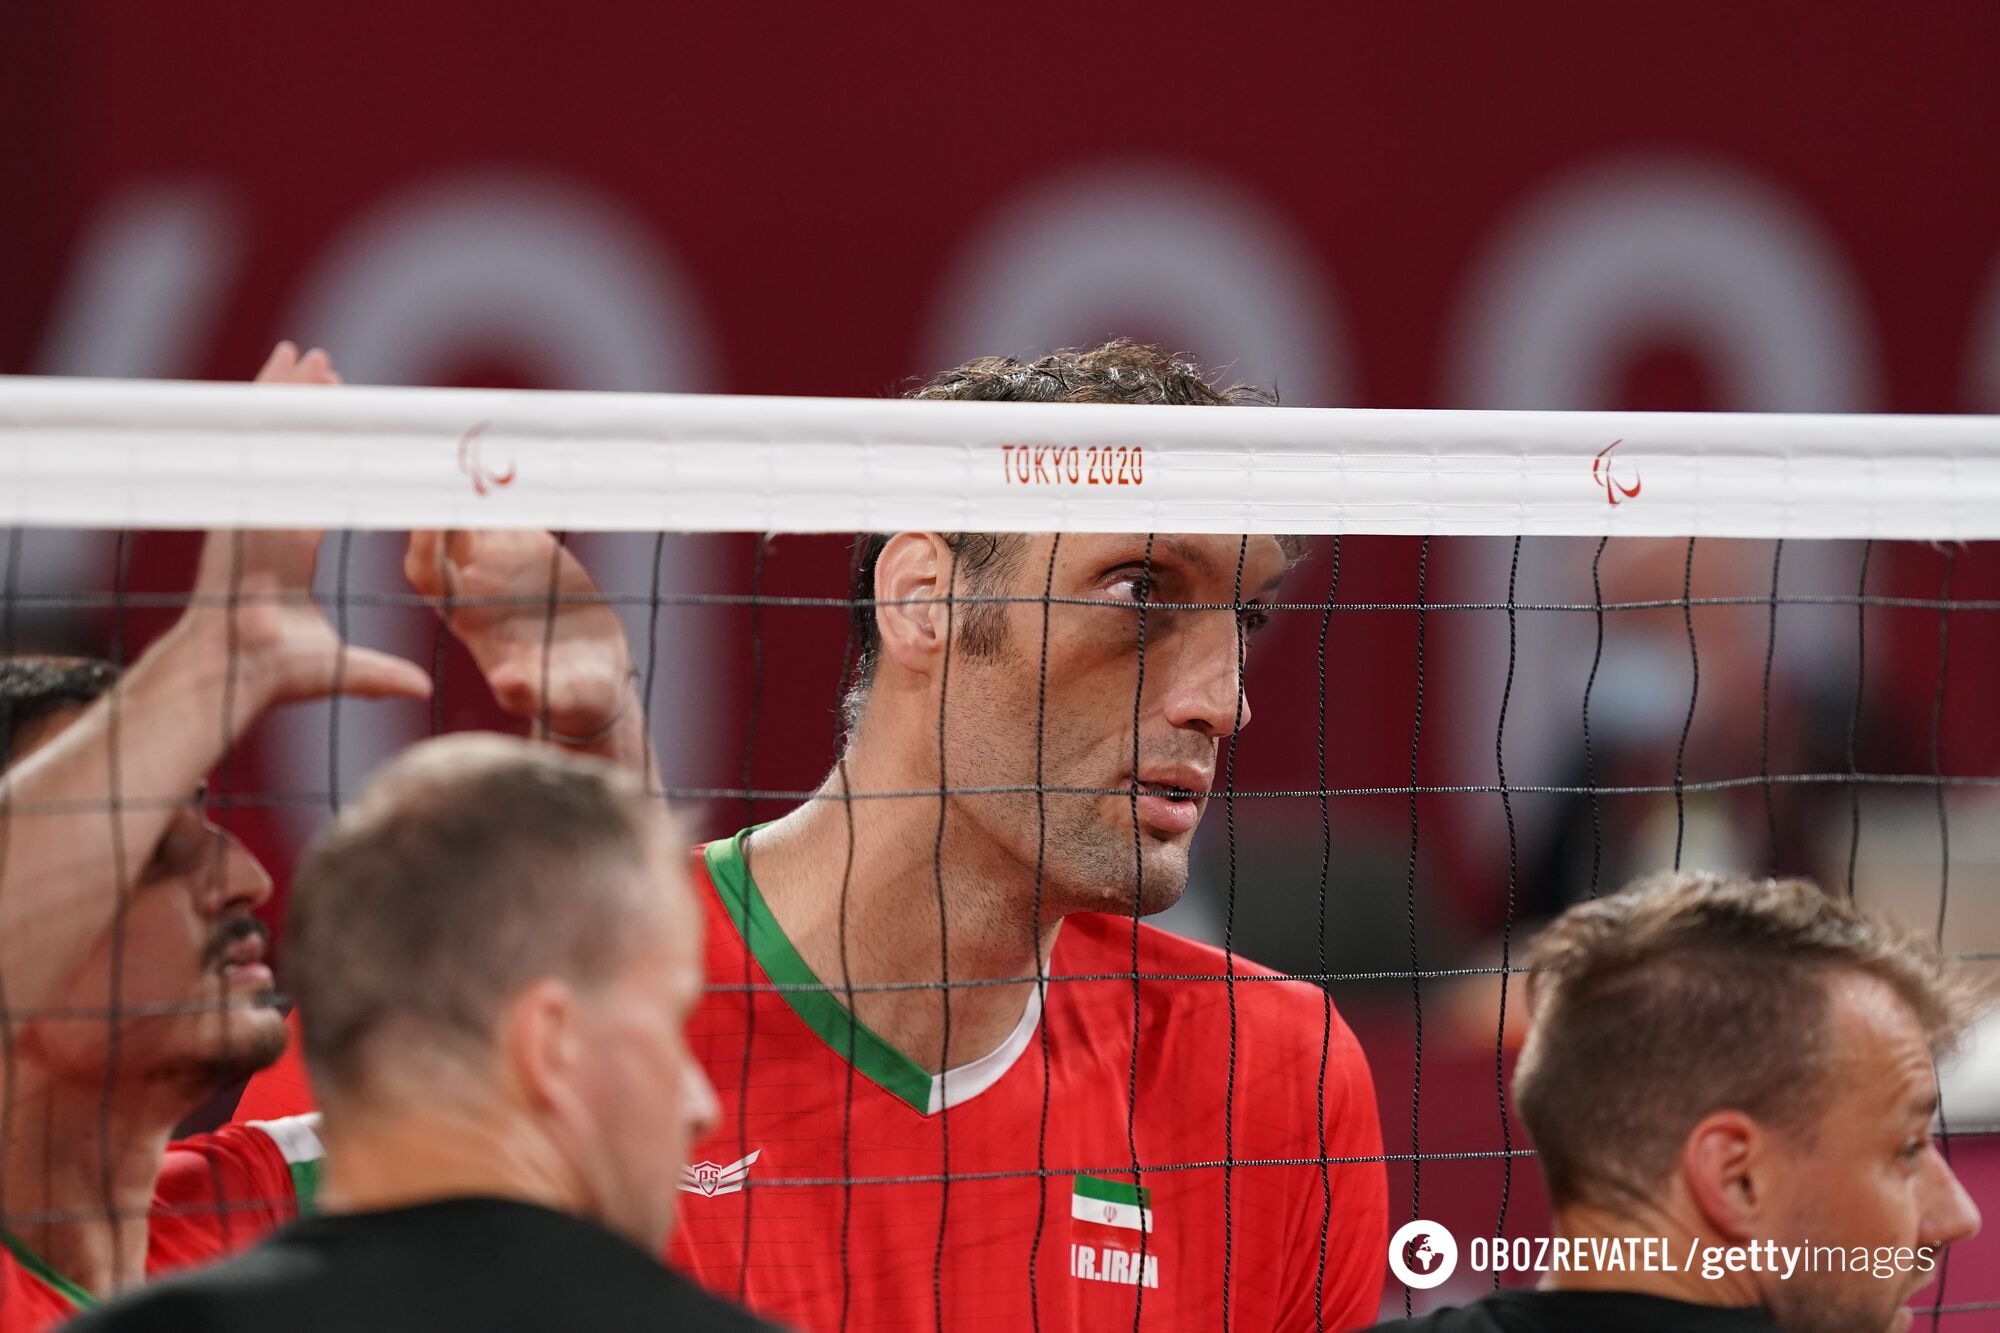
(1786, 207)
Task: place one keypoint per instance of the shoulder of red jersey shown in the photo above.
(1107, 938)
(259, 1164)
(1188, 973)
(221, 1192)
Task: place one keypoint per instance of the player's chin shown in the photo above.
(247, 1036)
(1118, 876)
(1165, 878)
(257, 1009)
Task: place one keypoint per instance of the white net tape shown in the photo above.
(103, 453)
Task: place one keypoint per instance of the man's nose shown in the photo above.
(234, 880)
(1950, 1215)
(1203, 685)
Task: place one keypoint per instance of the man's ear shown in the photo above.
(912, 578)
(1734, 1170)
(543, 1046)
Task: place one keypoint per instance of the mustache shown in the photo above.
(228, 935)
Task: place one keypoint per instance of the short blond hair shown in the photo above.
(1685, 994)
(469, 868)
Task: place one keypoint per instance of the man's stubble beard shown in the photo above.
(1095, 867)
(1076, 858)
(1076, 852)
(193, 1069)
(233, 1054)
(241, 1056)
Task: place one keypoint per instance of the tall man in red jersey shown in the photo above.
(977, 1140)
(1027, 1136)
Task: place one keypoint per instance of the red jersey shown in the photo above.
(217, 1193)
(1040, 1220)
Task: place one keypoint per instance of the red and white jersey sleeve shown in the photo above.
(219, 1193)
(216, 1194)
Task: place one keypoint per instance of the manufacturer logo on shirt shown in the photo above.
(710, 1179)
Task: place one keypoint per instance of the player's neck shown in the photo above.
(92, 1162)
(416, 1153)
(1660, 1241)
(894, 931)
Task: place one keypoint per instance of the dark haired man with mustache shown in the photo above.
(132, 972)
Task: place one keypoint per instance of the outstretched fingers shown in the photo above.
(370, 674)
(286, 365)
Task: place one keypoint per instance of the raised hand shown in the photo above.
(253, 603)
(252, 636)
(552, 651)
(286, 365)
(260, 584)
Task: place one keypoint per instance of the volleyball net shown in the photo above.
(1514, 660)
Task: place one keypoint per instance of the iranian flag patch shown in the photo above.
(1110, 1221)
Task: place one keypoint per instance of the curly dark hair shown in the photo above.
(33, 688)
(1120, 371)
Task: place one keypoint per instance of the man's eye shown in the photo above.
(1255, 617)
(1135, 587)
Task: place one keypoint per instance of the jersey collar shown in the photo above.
(39, 1266)
(821, 1010)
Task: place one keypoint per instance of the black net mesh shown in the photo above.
(1425, 749)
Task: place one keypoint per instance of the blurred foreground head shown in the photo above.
(1747, 1061)
(504, 933)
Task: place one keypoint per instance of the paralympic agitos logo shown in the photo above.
(484, 477)
(1600, 473)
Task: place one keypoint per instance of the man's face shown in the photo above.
(648, 1096)
(1871, 1175)
(183, 971)
(1028, 708)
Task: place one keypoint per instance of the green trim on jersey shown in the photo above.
(297, 1140)
(305, 1185)
(1111, 1191)
(39, 1266)
(821, 1010)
